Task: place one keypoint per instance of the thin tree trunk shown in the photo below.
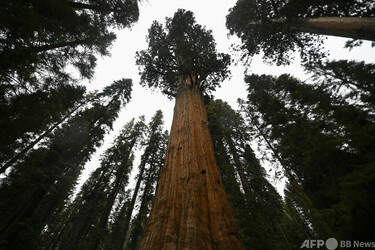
(230, 175)
(107, 211)
(284, 236)
(350, 27)
(132, 203)
(293, 179)
(137, 229)
(54, 239)
(34, 50)
(249, 195)
(121, 240)
(81, 227)
(237, 163)
(83, 224)
(112, 198)
(249, 199)
(275, 153)
(190, 209)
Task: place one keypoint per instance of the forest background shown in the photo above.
(122, 64)
(37, 191)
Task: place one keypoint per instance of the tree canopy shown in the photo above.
(273, 26)
(40, 181)
(355, 80)
(256, 205)
(100, 216)
(324, 136)
(321, 132)
(40, 39)
(26, 115)
(181, 48)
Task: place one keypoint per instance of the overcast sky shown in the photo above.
(210, 13)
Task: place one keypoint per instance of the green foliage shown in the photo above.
(119, 90)
(255, 203)
(97, 196)
(181, 48)
(271, 26)
(40, 39)
(38, 185)
(148, 167)
(295, 223)
(325, 139)
(99, 216)
(118, 13)
(158, 143)
(25, 115)
(354, 81)
(321, 8)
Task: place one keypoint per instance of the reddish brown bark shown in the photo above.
(351, 27)
(190, 210)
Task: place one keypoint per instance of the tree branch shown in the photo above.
(76, 5)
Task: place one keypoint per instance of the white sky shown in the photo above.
(210, 13)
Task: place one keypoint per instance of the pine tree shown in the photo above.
(40, 184)
(355, 79)
(325, 141)
(79, 225)
(190, 207)
(267, 203)
(296, 225)
(257, 208)
(322, 229)
(224, 123)
(151, 177)
(25, 115)
(91, 209)
(40, 38)
(146, 168)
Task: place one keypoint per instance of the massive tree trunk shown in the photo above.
(351, 27)
(190, 210)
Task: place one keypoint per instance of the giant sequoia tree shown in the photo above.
(279, 27)
(190, 209)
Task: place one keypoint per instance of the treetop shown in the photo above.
(181, 48)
